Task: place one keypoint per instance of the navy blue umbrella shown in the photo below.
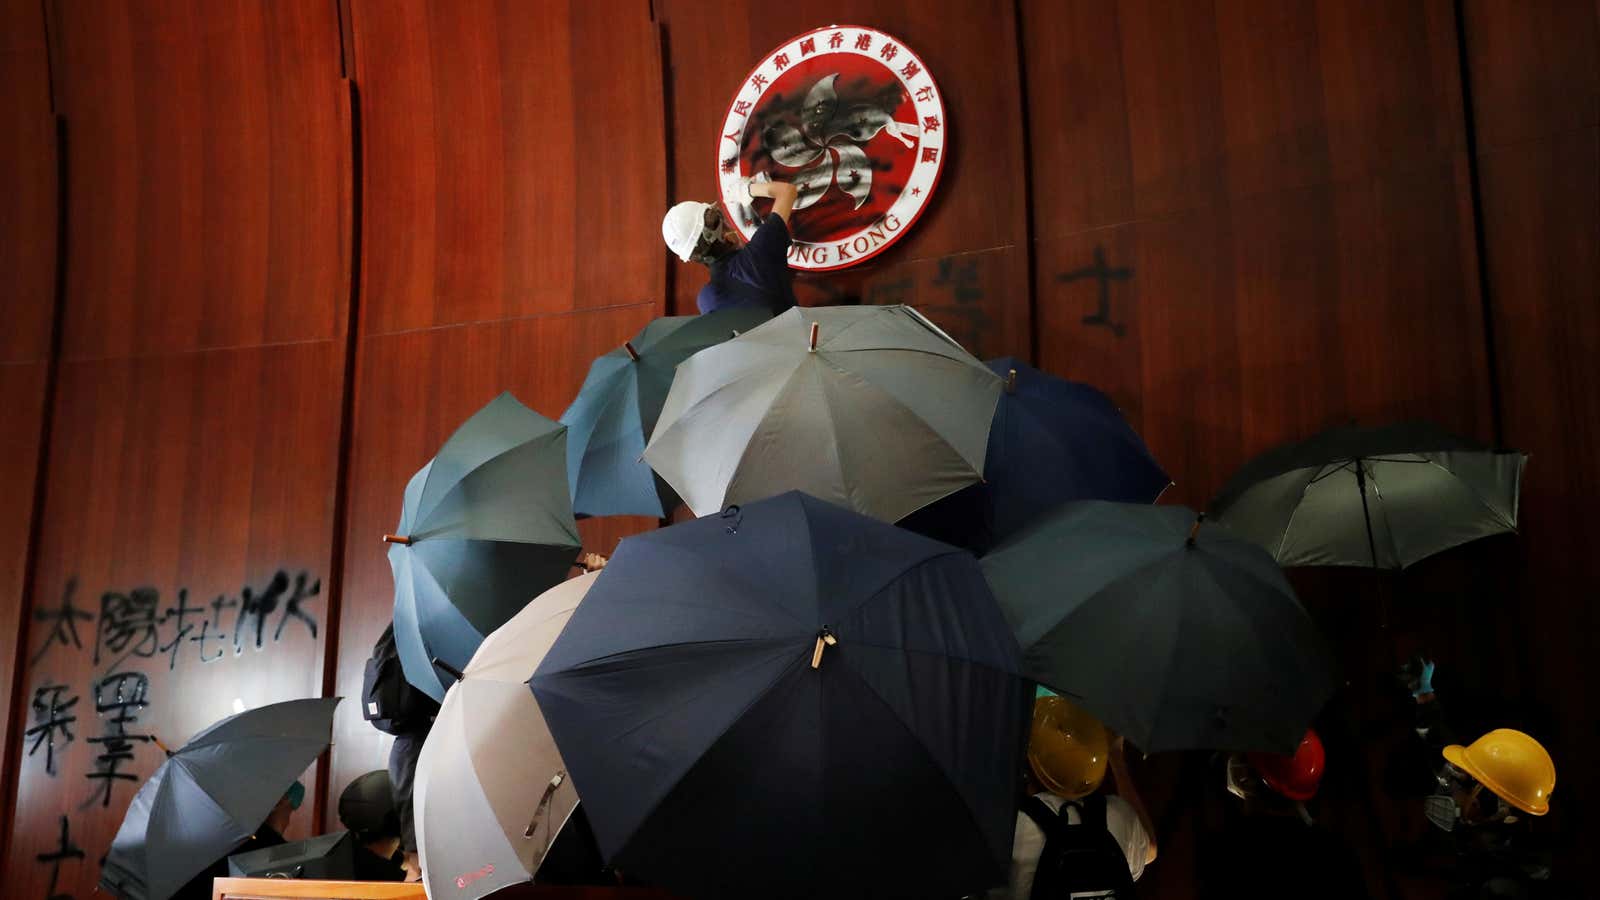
(1052, 441)
(791, 700)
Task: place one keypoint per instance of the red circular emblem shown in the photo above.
(852, 118)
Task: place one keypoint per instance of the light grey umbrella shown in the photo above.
(212, 794)
(1382, 498)
(491, 789)
(868, 407)
(484, 526)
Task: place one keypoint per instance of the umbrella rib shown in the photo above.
(916, 741)
(1471, 490)
(421, 518)
(1283, 538)
(1388, 527)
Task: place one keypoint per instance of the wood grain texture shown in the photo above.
(208, 163)
(980, 203)
(27, 185)
(1536, 97)
(23, 386)
(513, 159)
(205, 471)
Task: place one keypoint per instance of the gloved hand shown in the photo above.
(1424, 680)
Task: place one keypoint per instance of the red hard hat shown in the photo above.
(1294, 775)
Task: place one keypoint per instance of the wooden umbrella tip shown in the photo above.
(812, 343)
(1011, 382)
(632, 353)
(397, 539)
(1195, 529)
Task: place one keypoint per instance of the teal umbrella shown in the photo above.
(1383, 498)
(484, 526)
(617, 407)
(1175, 635)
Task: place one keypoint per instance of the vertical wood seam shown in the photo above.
(1027, 185)
(1480, 248)
(17, 708)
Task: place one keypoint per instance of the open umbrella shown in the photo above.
(869, 407)
(484, 526)
(1052, 441)
(791, 700)
(211, 794)
(491, 789)
(1178, 636)
(616, 409)
(1378, 497)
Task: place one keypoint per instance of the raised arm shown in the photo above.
(783, 195)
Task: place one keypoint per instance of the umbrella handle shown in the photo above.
(556, 781)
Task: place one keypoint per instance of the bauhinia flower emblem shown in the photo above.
(826, 146)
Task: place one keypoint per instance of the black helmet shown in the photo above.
(367, 807)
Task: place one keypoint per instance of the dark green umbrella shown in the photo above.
(1175, 635)
(484, 526)
(617, 407)
(211, 794)
(1378, 497)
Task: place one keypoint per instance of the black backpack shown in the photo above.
(1080, 862)
(388, 700)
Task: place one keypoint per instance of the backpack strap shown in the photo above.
(1092, 811)
(1041, 814)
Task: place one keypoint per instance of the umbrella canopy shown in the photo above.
(616, 409)
(1378, 497)
(869, 407)
(1175, 635)
(792, 700)
(1052, 441)
(484, 526)
(211, 794)
(491, 788)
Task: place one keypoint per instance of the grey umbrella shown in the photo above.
(868, 407)
(484, 526)
(1175, 635)
(212, 794)
(491, 790)
(1377, 497)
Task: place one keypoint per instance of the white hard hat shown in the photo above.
(682, 226)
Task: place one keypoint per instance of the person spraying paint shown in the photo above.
(756, 274)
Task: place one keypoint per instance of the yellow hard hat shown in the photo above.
(1067, 748)
(1512, 764)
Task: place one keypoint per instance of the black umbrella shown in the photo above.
(791, 700)
(1378, 497)
(1178, 636)
(211, 794)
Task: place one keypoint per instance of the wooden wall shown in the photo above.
(304, 240)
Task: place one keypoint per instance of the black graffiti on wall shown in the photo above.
(1103, 275)
(133, 624)
(65, 850)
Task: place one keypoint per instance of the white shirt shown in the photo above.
(1028, 842)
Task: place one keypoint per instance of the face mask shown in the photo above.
(1441, 811)
(710, 232)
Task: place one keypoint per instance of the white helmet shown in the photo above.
(682, 227)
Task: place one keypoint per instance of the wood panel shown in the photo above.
(1256, 222)
(416, 388)
(28, 200)
(190, 487)
(209, 161)
(27, 184)
(1536, 99)
(513, 159)
(198, 476)
(980, 204)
